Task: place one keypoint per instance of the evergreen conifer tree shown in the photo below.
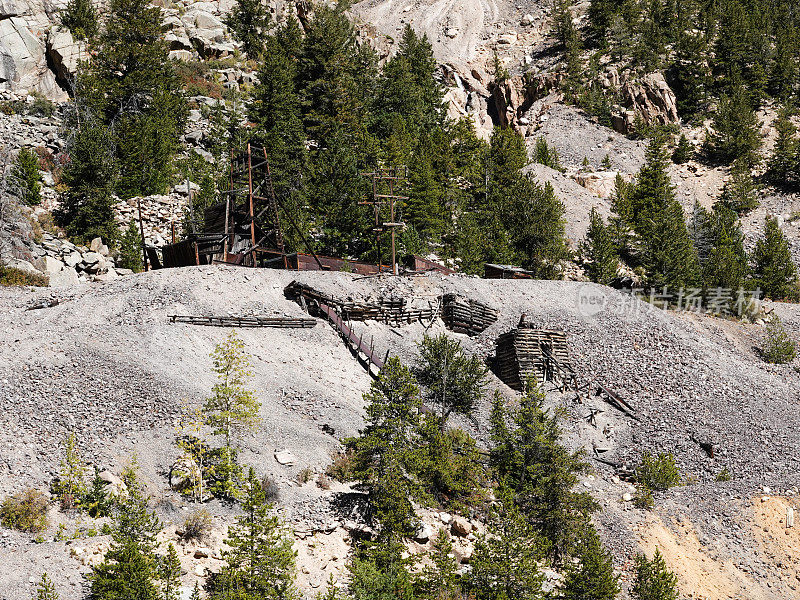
(774, 272)
(598, 251)
(660, 224)
(505, 561)
(654, 581)
(408, 88)
(727, 266)
(261, 561)
(384, 447)
(232, 407)
(86, 209)
(80, 17)
(454, 379)
(249, 21)
(593, 577)
(26, 177)
(45, 590)
(784, 164)
(683, 152)
(129, 86)
(170, 573)
(740, 193)
(532, 465)
(736, 132)
(129, 569)
(275, 108)
(700, 233)
(130, 249)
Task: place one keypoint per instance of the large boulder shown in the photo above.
(66, 277)
(63, 53)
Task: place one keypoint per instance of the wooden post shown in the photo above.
(141, 232)
(252, 213)
(391, 218)
(789, 517)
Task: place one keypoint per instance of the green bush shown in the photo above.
(25, 511)
(658, 472)
(643, 498)
(10, 276)
(778, 348)
(724, 475)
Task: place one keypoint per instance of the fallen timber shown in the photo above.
(255, 321)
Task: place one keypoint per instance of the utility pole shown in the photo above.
(391, 178)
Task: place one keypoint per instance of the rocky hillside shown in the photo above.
(106, 363)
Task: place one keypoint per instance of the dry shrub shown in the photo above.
(305, 475)
(323, 482)
(25, 511)
(270, 488)
(197, 525)
(341, 467)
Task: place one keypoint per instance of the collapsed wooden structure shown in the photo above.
(527, 352)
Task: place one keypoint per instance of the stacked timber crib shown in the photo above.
(527, 352)
(464, 315)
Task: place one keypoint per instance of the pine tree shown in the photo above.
(547, 156)
(505, 563)
(80, 17)
(740, 192)
(774, 272)
(336, 74)
(86, 209)
(660, 224)
(778, 348)
(440, 580)
(384, 447)
(129, 569)
(700, 233)
(454, 379)
(601, 16)
(130, 249)
(424, 210)
(129, 87)
(598, 251)
(71, 486)
(534, 218)
(683, 152)
(408, 88)
(593, 577)
(249, 21)
(25, 177)
(275, 108)
(784, 164)
(232, 407)
(689, 76)
(653, 580)
(727, 266)
(736, 132)
(261, 561)
(45, 590)
(170, 574)
(531, 463)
